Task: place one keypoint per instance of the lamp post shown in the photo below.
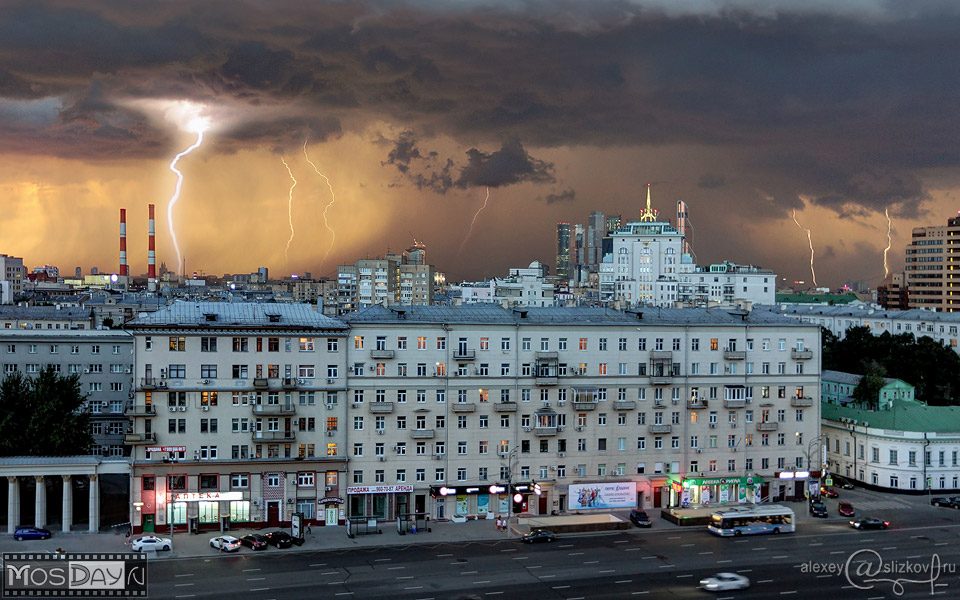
(810, 446)
(511, 457)
(171, 461)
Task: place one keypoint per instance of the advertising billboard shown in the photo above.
(585, 496)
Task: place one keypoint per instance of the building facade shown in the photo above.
(930, 265)
(238, 417)
(727, 283)
(563, 250)
(11, 270)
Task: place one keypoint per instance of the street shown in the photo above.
(664, 562)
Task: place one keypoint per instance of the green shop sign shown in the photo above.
(723, 481)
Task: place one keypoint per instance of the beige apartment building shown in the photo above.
(452, 411)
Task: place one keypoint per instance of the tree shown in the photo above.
(43, 415)
(868, 388)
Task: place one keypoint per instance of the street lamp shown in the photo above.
(810, 446)
(511, 457)
(171, 461)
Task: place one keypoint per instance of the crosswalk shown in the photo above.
(886, 503)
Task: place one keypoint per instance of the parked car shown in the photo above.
(254, 541)
(640, 518)
(948, 502)
(150, 542)
(954, 502)
(829, 492)
(725, 581)
(845, 509)
(538, 535)
(280, 539)
(869, 523)
(225, 543)
(847, 485)
(818, 509)
(31, 533)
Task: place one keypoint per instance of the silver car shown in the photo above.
(150, 542)
(725, 581)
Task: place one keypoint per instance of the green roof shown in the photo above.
(802, 298)
(905, 415)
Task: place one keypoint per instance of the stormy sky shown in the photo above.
(746, 110)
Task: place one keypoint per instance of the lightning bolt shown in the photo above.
(333, 199)
(200, 127)
(810, 241)
(886, 269)
(472, 223)
(286, 251)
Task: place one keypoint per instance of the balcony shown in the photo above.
(135, 439)
(731, 403)
(801, 354)
(696, 403)
(260, 384)
(464, 354)
(801, 401)
(463, 407)
(422, 434)
(274, 436)
(768, 426)
(381, 354)
(545, 431)
(661, 379)
(547, 356)
(547, 380)
(274, 409)
(734, 355)
(289, 383)
(584, 405)
(140, 410)
(379, 408)
(624, 405)
(659, 428)
(148, 383)
(505, 407)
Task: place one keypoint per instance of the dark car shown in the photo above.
(280, 539)
(254, 541)
(31, 533)
(941, 502)
(954, 502)
(829, 492)
(538, 535)
(640, 518)
(845, 509)
(870, 523)
(818, 509)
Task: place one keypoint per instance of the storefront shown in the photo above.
(715, 490)
(207, 511)
(330, 511)
(383, 502)
(796, 485)
(482, 502)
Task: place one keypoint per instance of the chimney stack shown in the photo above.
(151, 254)
(123, 243)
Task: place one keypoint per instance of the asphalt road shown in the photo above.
(665, 562)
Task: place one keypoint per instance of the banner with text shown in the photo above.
(603, 495)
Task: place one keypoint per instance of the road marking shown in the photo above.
(382, 559)
(631, 549)
(648, 557)
(686, 545)
(560, 587)
(761, 549)
(683, 576)
(406, 577)
(620, 541)
(624, 581)
(444, 555)
(914, 556)
(847, 587)
(183, 584)
(838, 552)
(415, 587)
(565, 546)
(941, 543)
(823, 576)
(744, 570)
(666, 566)
(336, 582)
(185, 575)
(546, 576)
(705, 553)
(575, 554)
(481, 581)
(607, 571)
(255, 578)
(638, 593)
(779, 556)
(520, 557)
(341, 593)
(468, 572)
(259, 589)
(329, 573)
(740, 541)
(765, 581)
(536, 567)
(509, 550)
(250, 570)
(318, 564)
(720, 562)
(493, 593)
(889, 548)
(816, 543)
(674, 537)
(395, 568)
(590, 562)
(792, 592)
(867, 540)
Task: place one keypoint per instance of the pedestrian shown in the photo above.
(498, 523)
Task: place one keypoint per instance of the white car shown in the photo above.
(150, 542)
(725, 581)
(225, 543)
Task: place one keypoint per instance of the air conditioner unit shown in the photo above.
(205, 408)
(289, 500)
(733, 425)
(699, 451)
(437, 456)
(553, 468)
(330, 433)
(163, 373)
(579, 427)
(383, 458)
(206, 382)
(351, 370)
(527, 429)
(330, 380)
(173, 409)
(356, 405)
(734, 449)
(183, 409)
(713, 425)
(561, 402)
(301, 381)
(561, 454)
(559, 427)
(131, 395)
(329, 407)
(329, 488)
(504, 454)
(379, 432)
(162, 385)
(129, 370)
(86, 370)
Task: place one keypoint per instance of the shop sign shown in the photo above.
(206, 496)
(379, 489)
(725, 481)
(166, 449)
(330, 501)
(621, 494)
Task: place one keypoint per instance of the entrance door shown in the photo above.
(543, 504)
(273, 514)
(148, 523)
(657, 491)
(420, 504)
(332, 515)
(563, 503)
(403, 504)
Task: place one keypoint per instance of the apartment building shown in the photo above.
(931, 265)
(11, 271)
(676, 405)
(103, 359)
(46, 317)
(237, 416)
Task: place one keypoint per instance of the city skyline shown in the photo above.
(416, 110)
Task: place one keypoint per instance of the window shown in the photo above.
(239, 481)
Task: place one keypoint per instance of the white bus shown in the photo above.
(751, 520)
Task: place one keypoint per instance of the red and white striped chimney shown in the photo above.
(123, 243)
(152, 250)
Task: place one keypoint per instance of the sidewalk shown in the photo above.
(187, 545)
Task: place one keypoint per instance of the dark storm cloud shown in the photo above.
(844, 107)
(567, 195)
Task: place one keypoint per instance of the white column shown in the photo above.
(94, 504)
(40, 518)
(67, 518)
(13, 504)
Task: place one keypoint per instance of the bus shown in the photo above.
(752, 520)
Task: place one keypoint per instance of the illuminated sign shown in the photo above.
(166, 449)
(379, 489)
(785, 475)
(497, 489)
(206, 496)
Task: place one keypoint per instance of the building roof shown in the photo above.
(803, 298)
(237, 314)
(860, 311)
(852, 378)
(44, 313)
(67, 334)
(905, 415)
(482, 313)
